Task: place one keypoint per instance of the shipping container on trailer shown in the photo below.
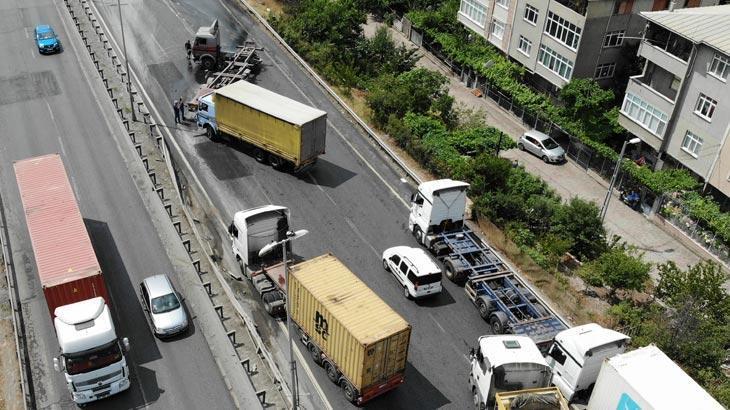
(365, 339)
(67, 265)
(277, 124)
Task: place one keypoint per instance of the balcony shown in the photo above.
(663, 58)
(647, 113)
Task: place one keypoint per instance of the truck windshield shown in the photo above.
(93, 359)
(519, 376)
(165, 303)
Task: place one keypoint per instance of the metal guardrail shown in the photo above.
(14, 297)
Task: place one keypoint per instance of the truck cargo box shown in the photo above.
(647, 379)
(67, 266)
(365, 338)
(294, 131)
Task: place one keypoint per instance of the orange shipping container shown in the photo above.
(354, 328)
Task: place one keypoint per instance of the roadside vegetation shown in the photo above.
(413, 107)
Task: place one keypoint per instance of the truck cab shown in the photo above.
(92, 357)
(577, 353)
(206, 45)
(250, 231)
(205, 116)
(436, 207)
(504, 364)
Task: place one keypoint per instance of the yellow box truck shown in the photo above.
(281, 131)
(360, 341)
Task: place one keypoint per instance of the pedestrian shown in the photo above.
(181, 104)
(188, 49)
(176, 108)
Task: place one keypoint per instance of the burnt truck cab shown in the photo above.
(206, 47)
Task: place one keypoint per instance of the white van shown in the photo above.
(414, 269)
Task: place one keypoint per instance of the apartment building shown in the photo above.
(557, 40)
(679, 106)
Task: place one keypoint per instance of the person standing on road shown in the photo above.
(188, 49)
(181, 105)
(176, 108)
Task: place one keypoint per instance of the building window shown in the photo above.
(705, 107)
(692, 144)
(503, 3)
(562, 30)
(624, 7)
(604, 71)
(474, 11)
(531, 14)
(525, 46)
(644, 114)
(497, 29)
(614, 38)
(719, 66)
(555, 62)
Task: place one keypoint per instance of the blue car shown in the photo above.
(46, 39)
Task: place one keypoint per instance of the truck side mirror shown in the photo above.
(471, 353)
(58, 365)
(413, 197)
(125, 344)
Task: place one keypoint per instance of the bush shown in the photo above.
(579, 220)
(621, 267)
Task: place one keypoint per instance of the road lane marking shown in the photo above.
(316, 183)
(437, 322)
(362, 238)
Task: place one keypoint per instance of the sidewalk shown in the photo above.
(567, 179)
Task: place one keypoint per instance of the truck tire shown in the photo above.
(315, 353)
(451, 271)
(498, 321)
(331, 371)
(244, 271)
(276, 162)
(211, 134)
(207, 62)
(418, 234)
(483, 309)
(260, 155)
(349, 391)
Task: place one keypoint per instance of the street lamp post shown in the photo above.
(604, 209)
(292, 363)
(126, 61)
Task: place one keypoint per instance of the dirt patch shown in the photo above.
(267, 8)
(11, 395)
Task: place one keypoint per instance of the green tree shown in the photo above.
(578, 219)
(338, 22)
(379, 54)
(584, 100)
(621, 267)
(701, 285)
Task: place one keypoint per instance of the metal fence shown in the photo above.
(677, 213)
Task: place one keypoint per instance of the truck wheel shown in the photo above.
(207, 62)
(418, 233)
(212, 135)
(498, 321)
(349, 391)
(332, 372)
(450, 270)
(483, 309)
(315, 353)
(260, 155)
(276, 162)
(243, 269)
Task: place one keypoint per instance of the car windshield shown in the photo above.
(45, 35)
(550, 143)
(165, 303)
(425, 279)
(93, 359)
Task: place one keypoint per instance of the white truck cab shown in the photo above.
(437, 206)
(505, 363)
(92, 357)
(205, 116)
(577, 353)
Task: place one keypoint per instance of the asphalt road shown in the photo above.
(47, 106)
(353, 201)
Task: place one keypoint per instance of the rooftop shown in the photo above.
(706, 25)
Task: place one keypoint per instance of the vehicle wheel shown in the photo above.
(483, 309)
(450, 270)
(418, 234)
(332, 372)
(478, 405)
(211, 134)
(521, 147)
(243, 269)
(260, 155)
(276, 161)
(349, 391)
(385, 265)
(498, 321)
(207, 63)
(406, 293)
(545, 159)
(315, 353)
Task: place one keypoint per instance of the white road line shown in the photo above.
(307, 369)
(437, 323)
(316, 183)
(362, 238)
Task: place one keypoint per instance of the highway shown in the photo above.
(46, 106)
(353, 202)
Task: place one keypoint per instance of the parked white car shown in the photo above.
(414, 269)
(541, 145)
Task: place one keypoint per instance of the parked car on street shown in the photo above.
(414, 269)
(541, 145)
(163, 305)
(46, 39)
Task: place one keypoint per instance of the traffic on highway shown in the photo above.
(369, 287)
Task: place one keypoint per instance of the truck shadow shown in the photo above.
(222, 160)
(417, 391)
(326, 173)
(129, 319)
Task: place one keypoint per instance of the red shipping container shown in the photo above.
(67, 266)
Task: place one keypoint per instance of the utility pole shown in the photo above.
(126, 61)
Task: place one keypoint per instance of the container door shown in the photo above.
(397, 353)
(375, 360)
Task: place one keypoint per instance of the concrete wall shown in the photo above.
(712, 132)
(534, 33)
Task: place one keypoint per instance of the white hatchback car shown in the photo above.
(414, 269)
(162, 304)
